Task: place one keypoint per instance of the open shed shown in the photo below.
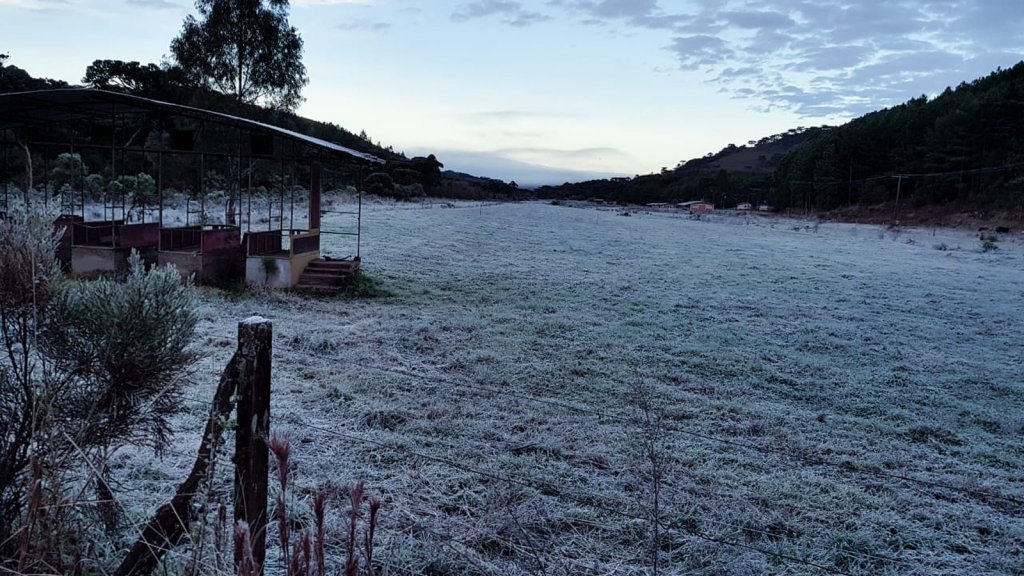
(216, 195)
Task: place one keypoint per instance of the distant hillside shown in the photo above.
(460, 185)
(732, 175)
(962, 149)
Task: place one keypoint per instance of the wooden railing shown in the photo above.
(205, 239)
(272, 242)
(304, 242)
(97, 233)
(181, 239)
(110, 233)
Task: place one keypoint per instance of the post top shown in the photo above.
(252, 320)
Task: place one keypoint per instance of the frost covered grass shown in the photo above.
(828, 399)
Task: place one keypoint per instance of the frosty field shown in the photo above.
(544, 381)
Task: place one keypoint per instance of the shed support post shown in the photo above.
(315, 190)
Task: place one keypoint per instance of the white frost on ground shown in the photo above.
(833, 395)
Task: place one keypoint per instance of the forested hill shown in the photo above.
(964, 146)
(168, 85)
(400, 177)
(734, 174)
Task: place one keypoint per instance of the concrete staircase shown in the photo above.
(327, 275)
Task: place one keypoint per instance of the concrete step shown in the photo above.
(327, 275)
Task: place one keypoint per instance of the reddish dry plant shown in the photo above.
(281, 449)
(319, 509)
(301, 557)
(307, 550)
(299, 566)
(218, 534)
(246, 564)
(356, 498)
(369, 533)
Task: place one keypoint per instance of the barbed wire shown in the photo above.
(813, 460)
(548, 488)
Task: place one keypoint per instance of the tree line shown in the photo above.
(964, 146)
(242, 57)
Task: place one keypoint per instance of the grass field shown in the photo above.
(544, 385)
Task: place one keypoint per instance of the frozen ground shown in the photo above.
(832, 399)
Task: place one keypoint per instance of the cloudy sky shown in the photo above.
(555, 90)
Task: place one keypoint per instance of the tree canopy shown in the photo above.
(245, 48)
(148, 80)
(14, 79)
(964, 145)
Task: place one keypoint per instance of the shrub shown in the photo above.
(379, 183)
(27, 248)
(85, 367)
(125, 345)
(68, 170)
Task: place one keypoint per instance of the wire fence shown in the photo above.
(688, 525)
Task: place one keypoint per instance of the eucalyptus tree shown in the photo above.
(245, 48)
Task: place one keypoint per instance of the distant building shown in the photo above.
(745, 206)
(698, 207)
(764, 208)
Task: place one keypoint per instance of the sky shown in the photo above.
(550, 91)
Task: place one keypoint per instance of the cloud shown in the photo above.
(830, 57)
(630, 9)
(512, 13)
(305, 3)
(516, 115)
(158, 4)
(362, 25)
(34, 4)
(557, 156)
(759, 19)
(701, 51)
(509, 165)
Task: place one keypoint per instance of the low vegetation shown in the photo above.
(88, 367)
(698, 396)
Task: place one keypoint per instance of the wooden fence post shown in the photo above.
(251, 454)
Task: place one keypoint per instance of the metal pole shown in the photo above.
(899, 185)
(291, 210)
(113, 168)
(124, 194)
(202, 189)
(236, 210)
(160, 188)
(81, 189)
(46, 179)
(359, 215)
(248, 215)
(7, 178)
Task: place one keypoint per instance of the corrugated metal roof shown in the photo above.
(42, 107)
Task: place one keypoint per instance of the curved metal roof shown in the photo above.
(41, 107)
